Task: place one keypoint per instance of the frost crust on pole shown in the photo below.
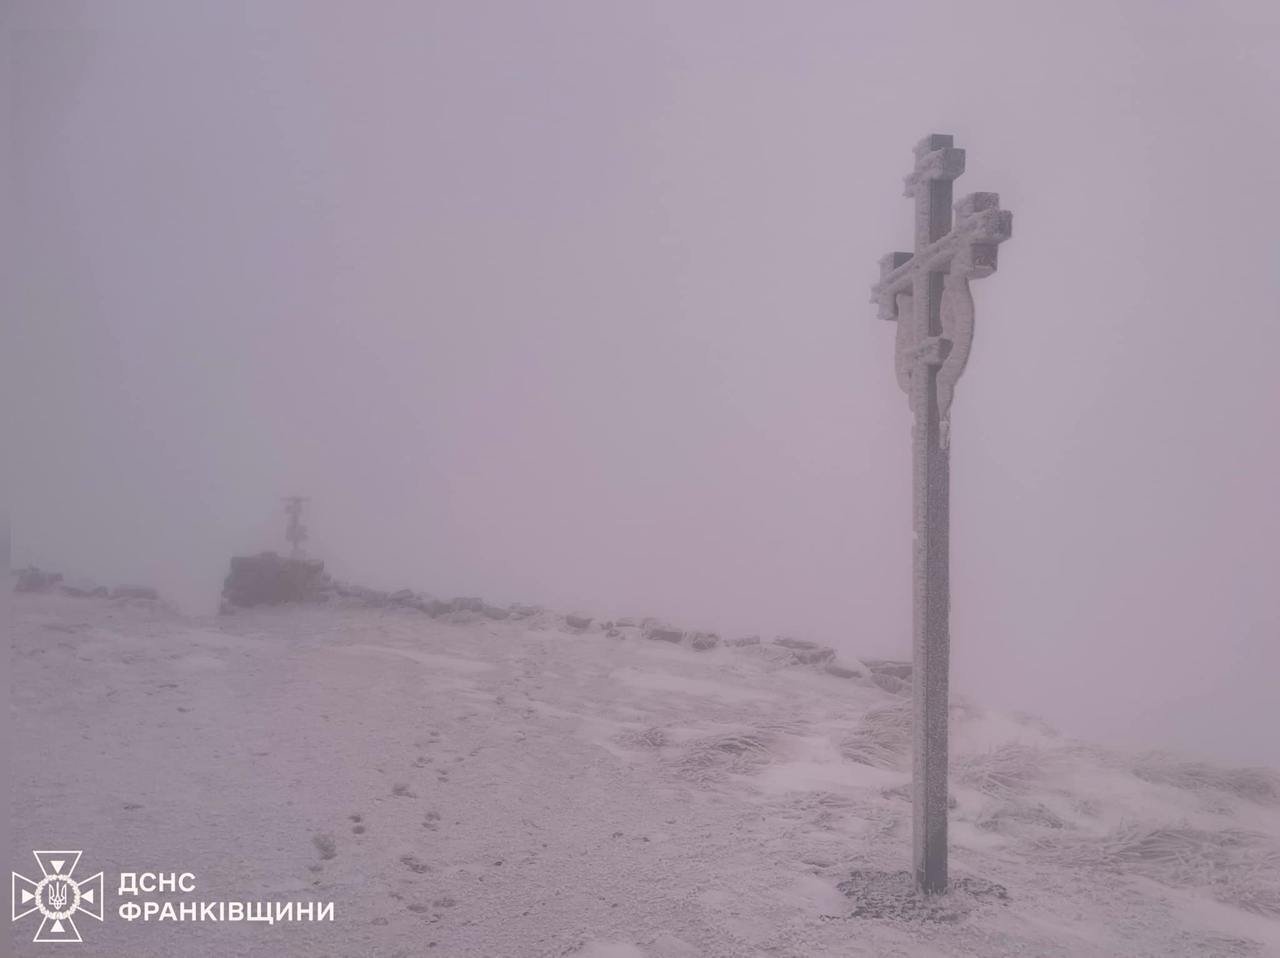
(927, 293)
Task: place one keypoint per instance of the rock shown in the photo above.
(524, 611)
(270, 579)
(798, 644)
(404, 597)
(32, 579)
(468, 604)
(577, 621)
(82, 589)
(893, 667)
(326, 587)
(135, 592)
(890, 683)
(806, 652)
(664, 635)
(702, 641)
(438, 607)
(745, 641)
(841, 671)
(493, 612)
(625, 623)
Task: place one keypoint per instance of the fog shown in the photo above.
(568, 303)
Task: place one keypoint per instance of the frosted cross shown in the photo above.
(927, 292)
(296, 532)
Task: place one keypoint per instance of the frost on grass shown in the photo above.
(1008, 770)
(1238, 867)
(1011, 775)
(1007, 815)
(740, 753)
(652, 737)
(1261, 785)
(882, 738)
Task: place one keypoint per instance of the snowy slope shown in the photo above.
(500, 788)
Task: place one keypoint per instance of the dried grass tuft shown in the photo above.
(740, 753)
(1002, 772)
(883, 737)
(1261, 785)
(1238, 867)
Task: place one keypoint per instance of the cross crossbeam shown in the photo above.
(927, 293)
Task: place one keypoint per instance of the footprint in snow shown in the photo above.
(414, 865)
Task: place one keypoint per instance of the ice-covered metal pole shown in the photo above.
(927, 292)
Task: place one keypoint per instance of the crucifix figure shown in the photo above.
(927, 292)
(296, 532)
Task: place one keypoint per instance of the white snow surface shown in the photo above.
(506, 788)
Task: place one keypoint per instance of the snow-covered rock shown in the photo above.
(134, 592)
(664, 634)
(271, 579)
(84, 589)
(805, 651)
(841, 671)
(32, 579)
(702, 641)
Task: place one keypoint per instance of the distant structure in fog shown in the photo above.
(927, 292)
(296, 532)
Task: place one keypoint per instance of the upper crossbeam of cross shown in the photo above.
(929, 288)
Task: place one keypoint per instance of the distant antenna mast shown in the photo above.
(296, 532)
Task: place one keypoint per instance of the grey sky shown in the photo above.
(567, 302)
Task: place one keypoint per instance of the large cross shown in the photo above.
(927, 292)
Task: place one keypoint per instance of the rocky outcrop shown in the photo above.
(134, 592)
(664, 634)
(806, 652)
(841, 671)
(271, 579)
(890, 683)
(81, 589)
(32, 579)
(703, 641)
(894, 667)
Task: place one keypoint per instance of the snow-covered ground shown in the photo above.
(513, 788)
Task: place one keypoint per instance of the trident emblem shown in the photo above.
(58, 895)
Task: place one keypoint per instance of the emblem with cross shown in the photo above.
(57, 896)
(927, 293)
